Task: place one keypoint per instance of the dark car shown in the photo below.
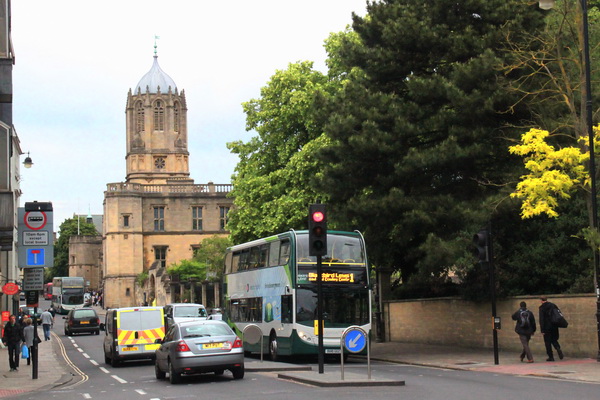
(82, 320)
(28, 313)
(198, 347)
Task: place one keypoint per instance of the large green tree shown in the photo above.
(68, 228)
(419, 159)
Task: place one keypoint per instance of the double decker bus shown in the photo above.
(48, 291)
(67, 293)
(272, 283)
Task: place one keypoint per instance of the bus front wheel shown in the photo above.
(273, 347)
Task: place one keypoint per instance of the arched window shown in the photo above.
(139, 117)
(159, 116)
(176, 117)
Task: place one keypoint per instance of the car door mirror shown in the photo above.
(158, 341)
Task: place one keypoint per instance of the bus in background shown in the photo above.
(48, 291)
(67, 293)
(271, 283)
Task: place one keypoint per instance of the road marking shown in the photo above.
(118, 379)
(140, 391)
(85, 355)
(80, 349)
(74, 344)
(94, 362)
(104, 370)
(87, 396)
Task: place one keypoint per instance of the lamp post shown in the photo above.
(27, 163)
(546, 5)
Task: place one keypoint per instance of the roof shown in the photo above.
(155, 79)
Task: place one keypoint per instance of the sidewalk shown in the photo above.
(52, 370)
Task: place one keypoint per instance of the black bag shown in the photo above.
(524, 319)
(558, 319)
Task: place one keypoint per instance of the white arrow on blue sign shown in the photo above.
(355, 340)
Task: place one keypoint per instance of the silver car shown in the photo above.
(197, 347)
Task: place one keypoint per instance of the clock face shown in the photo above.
(159, 162)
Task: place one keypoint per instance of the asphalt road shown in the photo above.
(136, 381)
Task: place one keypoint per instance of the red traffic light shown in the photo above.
(318, 216)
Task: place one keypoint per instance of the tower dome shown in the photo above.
(154, 79)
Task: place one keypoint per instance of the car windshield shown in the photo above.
(84, 314)
(189, 311)
(206, 330)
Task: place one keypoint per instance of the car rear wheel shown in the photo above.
(114, 362)
(157, 371)
(219, 372)
(273, 347)
(174, 377)
(106, 359)
(238, 372)
(67, 333)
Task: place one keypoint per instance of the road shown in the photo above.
(136, 381)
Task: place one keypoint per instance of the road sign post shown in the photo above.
(355, 339)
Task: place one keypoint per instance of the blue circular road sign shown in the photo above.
(355, 339)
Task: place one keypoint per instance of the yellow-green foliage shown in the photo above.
(553, 174)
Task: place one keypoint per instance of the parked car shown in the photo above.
(181, 312)
(82, 320)
(29, 312)
(87, 300)
(199, 347)
(131, 333)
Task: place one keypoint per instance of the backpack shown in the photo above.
(524, 321)
(557, 318)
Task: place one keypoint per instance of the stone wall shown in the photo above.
(452, 321)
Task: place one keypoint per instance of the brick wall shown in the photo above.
(451, 321)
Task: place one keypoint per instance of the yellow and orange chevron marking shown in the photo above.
(144, 337)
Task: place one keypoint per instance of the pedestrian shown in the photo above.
(47, 322)
(525, 328)
(548, 329)
(12, 338)
(28, 335)
(52, 311)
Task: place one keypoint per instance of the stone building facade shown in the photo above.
(158, 216)
(85, 259)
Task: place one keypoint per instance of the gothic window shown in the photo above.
(159, 218)
(196, 218)
(159, 116)
(223, 211)
(139, 117)
(176, 117)
(159, 162)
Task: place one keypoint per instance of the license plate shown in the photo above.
(84, 322)
(333, 351)
(129, 349)
(212, 345)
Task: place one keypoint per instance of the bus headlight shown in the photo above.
(304, 336)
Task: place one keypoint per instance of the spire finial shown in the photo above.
(155, 38)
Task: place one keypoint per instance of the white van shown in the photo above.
(182, 312)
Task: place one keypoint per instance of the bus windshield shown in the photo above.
(72, 296)
(342, 307)
(340, 249)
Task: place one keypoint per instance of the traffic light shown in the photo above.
(482, 243)
(317, 230)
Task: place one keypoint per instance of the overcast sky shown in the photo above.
(77, 59)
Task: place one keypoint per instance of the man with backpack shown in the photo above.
(525, 328)
(549, 329)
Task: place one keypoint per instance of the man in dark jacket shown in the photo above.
(548, 329)
(12, 338)
(525, 328)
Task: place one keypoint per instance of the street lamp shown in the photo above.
(546, 5)
(27, 163)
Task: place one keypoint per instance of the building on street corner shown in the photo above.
(158, 216)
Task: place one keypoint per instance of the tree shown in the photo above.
(419, 131)
(187, 269)
(212, 254)
(272, 187)
(68, 228)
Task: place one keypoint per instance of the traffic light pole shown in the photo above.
(320, 314)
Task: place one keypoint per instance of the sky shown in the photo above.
(75, 61)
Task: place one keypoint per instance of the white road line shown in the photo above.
(94, 362)
(118, 379)
(80, 349)
(75, 344)
(85, 355)
(140, 391)
(104, 370)
(87, 396)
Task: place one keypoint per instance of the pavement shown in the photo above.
(54, 371)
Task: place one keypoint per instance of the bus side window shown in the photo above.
(263, 255)
(284, 254)
(253, 258)
(243, 264)
(286, 309)
(274, 254)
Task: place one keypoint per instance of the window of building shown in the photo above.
(196, 218)
(159, 218)
(176, 117)
(159, 116)
(223, 211)
(126, 220)
(159, 162)
(160, 255)
(139, 117)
